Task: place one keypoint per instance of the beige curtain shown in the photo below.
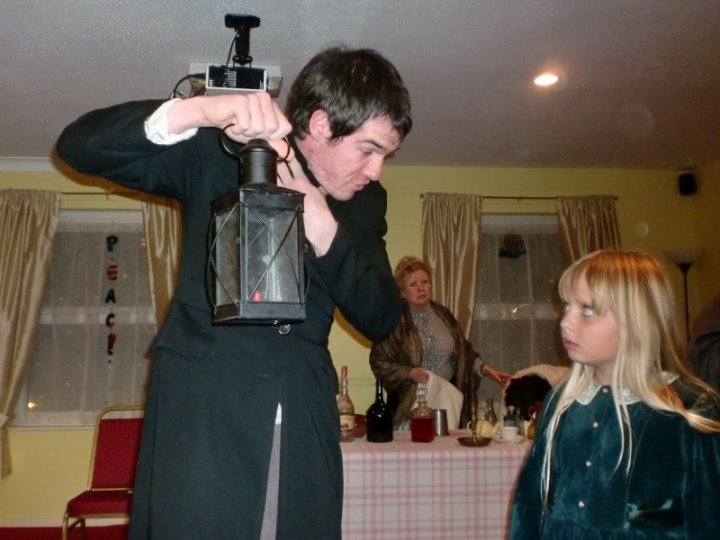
(163, 233)
(28, 220)
(451, 243)
(587, 224)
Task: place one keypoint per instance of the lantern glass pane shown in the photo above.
(270, 242)
(256, 256)
(226, 256)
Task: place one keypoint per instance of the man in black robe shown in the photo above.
(222, 397)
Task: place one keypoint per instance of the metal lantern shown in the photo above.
(256, 254)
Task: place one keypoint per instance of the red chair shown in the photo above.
(112, 469)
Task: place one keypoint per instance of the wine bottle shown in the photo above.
(379, 418)
(346, 409)
(490, 415)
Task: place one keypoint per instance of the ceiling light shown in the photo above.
(546, 79)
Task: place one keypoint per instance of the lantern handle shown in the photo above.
(234, 148)
(229, 146)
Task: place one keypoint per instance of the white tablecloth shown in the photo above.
(433, 491)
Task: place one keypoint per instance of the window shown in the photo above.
(517, 307)
(72, 374)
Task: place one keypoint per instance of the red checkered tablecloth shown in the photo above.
(428, 491)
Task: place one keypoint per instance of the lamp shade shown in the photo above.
(684, 255)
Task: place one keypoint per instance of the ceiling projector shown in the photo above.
(242, 78)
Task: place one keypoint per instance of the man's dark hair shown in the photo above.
(351, 86)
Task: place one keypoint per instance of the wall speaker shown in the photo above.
(687, 184)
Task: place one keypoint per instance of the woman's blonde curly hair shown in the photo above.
(407, 265)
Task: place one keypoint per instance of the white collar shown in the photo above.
(627, 396)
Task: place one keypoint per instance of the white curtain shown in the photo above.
(516, 321)
(73, 375)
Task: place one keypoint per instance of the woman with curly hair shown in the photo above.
(427, 340)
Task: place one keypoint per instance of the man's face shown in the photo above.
(345, 166)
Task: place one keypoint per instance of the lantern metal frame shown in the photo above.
(256, 269)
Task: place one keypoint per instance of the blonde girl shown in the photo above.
(628, 447)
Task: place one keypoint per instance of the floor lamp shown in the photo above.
(684, 258)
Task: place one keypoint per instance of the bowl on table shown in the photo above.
(474, 442)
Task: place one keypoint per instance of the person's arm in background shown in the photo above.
(700, 459)
(479, 366)
(705, 358)
(499, 377)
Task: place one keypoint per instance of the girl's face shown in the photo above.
(416, 289)
(590, 338)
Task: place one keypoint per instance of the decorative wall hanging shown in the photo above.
(512, 246)
(112, 275)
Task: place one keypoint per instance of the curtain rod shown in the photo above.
(525, 197)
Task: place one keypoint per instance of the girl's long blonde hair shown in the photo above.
(635, 288)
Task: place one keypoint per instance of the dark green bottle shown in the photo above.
(379, 418)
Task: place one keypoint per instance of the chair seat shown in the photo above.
(100, 502)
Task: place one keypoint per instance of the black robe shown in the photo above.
(214, 390)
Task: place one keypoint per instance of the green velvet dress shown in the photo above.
(671, 491)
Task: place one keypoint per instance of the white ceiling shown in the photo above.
(642, 86)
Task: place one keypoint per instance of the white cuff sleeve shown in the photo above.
(156, 126)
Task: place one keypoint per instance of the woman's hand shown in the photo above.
(419, 375)
(499, 377)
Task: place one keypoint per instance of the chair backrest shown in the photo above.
(116, 446)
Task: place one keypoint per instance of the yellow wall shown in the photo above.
(50, 466)
(707, 219)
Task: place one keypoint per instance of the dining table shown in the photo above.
(433, 491)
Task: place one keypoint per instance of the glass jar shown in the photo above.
(422, 423)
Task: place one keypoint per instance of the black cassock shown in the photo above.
(214, 390)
